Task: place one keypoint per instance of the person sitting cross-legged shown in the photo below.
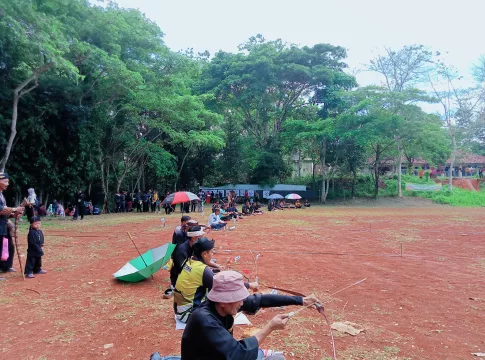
(215, 221)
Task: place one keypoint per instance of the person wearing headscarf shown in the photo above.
(5, 226)
(31, 203)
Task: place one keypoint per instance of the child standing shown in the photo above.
(35, 242)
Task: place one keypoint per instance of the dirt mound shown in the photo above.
(467, 184)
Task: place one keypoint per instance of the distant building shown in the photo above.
(304, 166)
(465, 164)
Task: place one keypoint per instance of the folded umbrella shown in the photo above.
(293, 197)
(144, 266)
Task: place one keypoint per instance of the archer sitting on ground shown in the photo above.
(208, 334)
(195, 279)
(307, 203)
(298, 204)
(183, 251)
(256, 209)
(180, 235)
(232, 209)
(247, 209)
(215, 221)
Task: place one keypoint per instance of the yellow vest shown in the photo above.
(189, 288)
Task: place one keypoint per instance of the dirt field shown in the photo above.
(427, 304)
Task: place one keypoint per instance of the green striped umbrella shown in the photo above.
(144, 266)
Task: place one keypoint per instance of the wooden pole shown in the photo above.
(133, 241)
(16, 233)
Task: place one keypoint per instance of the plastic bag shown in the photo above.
(5, 253)
(157, 356)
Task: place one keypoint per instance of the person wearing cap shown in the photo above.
(215, 221)
(208, 334)
(6, 225)
(35, 241)
(180, 235)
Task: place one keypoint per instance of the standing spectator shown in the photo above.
(79, 203)
(421, 173)
(129, 201)
(138, 201)
(32, 204)
(123, 201)
(480, 173)
(154, 200)
(5, 233)
(193, 205)
(212, 196)
(146, 200)
(117, 202)
(35, 241)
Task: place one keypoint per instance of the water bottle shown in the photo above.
(267, 353)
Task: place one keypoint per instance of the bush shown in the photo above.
(457, 197)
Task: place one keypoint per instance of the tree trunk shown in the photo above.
(354, 178)
(452, 161)
(299, 163)
(13, 132)
(323, 197)
(399, 165)
(122, 177)
(104, 181)
(376, 171)
(181, 167)
(46, 199)
(18, 92)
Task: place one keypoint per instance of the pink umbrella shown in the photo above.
(293, 197)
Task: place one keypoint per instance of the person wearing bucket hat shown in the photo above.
(208, 333)
(5, 235)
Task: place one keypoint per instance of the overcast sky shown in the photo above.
(363, 27)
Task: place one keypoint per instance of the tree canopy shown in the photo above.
(92, 98)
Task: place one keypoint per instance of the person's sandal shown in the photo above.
(168, 294)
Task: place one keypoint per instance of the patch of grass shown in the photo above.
(458, 197)
(65, 337)
(387, 353)
(124, 315)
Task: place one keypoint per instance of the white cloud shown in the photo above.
(364, 27)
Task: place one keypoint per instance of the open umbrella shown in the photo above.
(293, 197)
(144, 266)
(275, 196)
(180, 197)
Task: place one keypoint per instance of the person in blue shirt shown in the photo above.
(215, 221)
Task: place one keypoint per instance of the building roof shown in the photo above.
(464, 158)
